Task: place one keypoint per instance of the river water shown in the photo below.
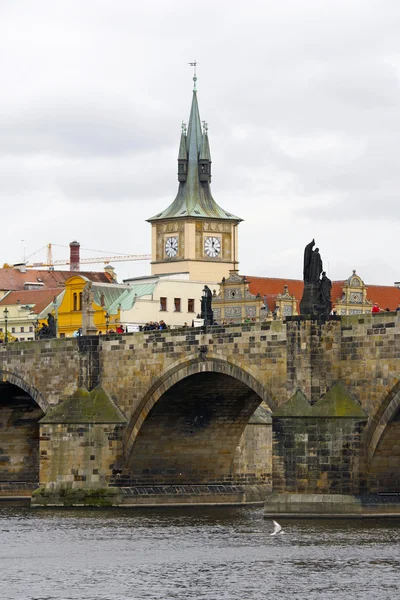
(193, 553)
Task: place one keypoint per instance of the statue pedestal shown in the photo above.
(88, 327)
(310, 299)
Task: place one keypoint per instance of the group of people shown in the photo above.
(153, 326)
(376, 309)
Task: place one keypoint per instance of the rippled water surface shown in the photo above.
(199, 553)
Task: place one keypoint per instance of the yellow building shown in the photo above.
(69, 313)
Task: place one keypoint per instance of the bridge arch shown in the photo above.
(383, 452)
(17, 380)
(21, 408)
(188, 424)
(385, 413)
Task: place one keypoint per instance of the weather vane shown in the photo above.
(194, 65)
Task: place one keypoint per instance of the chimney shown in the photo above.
(74, 256)
(111, 272)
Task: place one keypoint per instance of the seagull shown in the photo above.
(277, 528)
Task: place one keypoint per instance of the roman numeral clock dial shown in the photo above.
(171, 247)
(212, 246)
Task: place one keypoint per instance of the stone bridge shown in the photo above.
(185, 415)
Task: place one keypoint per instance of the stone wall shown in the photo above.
(79, 455)
(316, 456)
(316, 447)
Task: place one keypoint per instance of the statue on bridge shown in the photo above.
(88, 326)
(312, 264)
(316, 298)
(48, 331)
(206, 309)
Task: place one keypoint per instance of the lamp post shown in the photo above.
(107, 316)
(5, 313)
(36, 325)
(56, 313)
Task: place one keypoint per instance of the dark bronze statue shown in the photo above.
(51, 324)
(206, 309)
(325, 289)
(316, 298)
(312, 264)
(48, 331)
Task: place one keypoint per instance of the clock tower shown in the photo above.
(194, 234)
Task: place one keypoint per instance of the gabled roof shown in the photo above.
(194, 198)
(37, 299)
(12, 278)
(386, 296)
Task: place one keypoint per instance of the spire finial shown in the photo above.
(205, 127)
(183, 127)
(194, 65)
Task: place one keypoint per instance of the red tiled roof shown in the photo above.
(386, 296)
(11, 278)
(39, 298)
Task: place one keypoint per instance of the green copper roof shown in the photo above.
(194, 198)
(113, 297)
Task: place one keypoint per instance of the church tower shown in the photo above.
(194, 234)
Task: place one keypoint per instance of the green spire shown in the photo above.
(194, 198)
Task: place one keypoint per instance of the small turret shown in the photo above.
(182, 156)
(205, 157)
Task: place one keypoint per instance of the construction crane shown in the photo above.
(93, 260)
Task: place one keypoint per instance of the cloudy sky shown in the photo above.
(302, 99)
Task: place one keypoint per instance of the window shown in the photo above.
(163, 304)
(80, 301)
(22, 329)
(12, 329)
(191, 305)
(1, 330)
(177, 304)
(75, 301)
(31, 329)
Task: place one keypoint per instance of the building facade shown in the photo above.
(241, 297)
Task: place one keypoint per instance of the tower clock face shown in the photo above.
(171, 247)
(212, 246)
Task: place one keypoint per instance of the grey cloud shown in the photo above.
(302, 101)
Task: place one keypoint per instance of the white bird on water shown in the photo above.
(277, 528)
